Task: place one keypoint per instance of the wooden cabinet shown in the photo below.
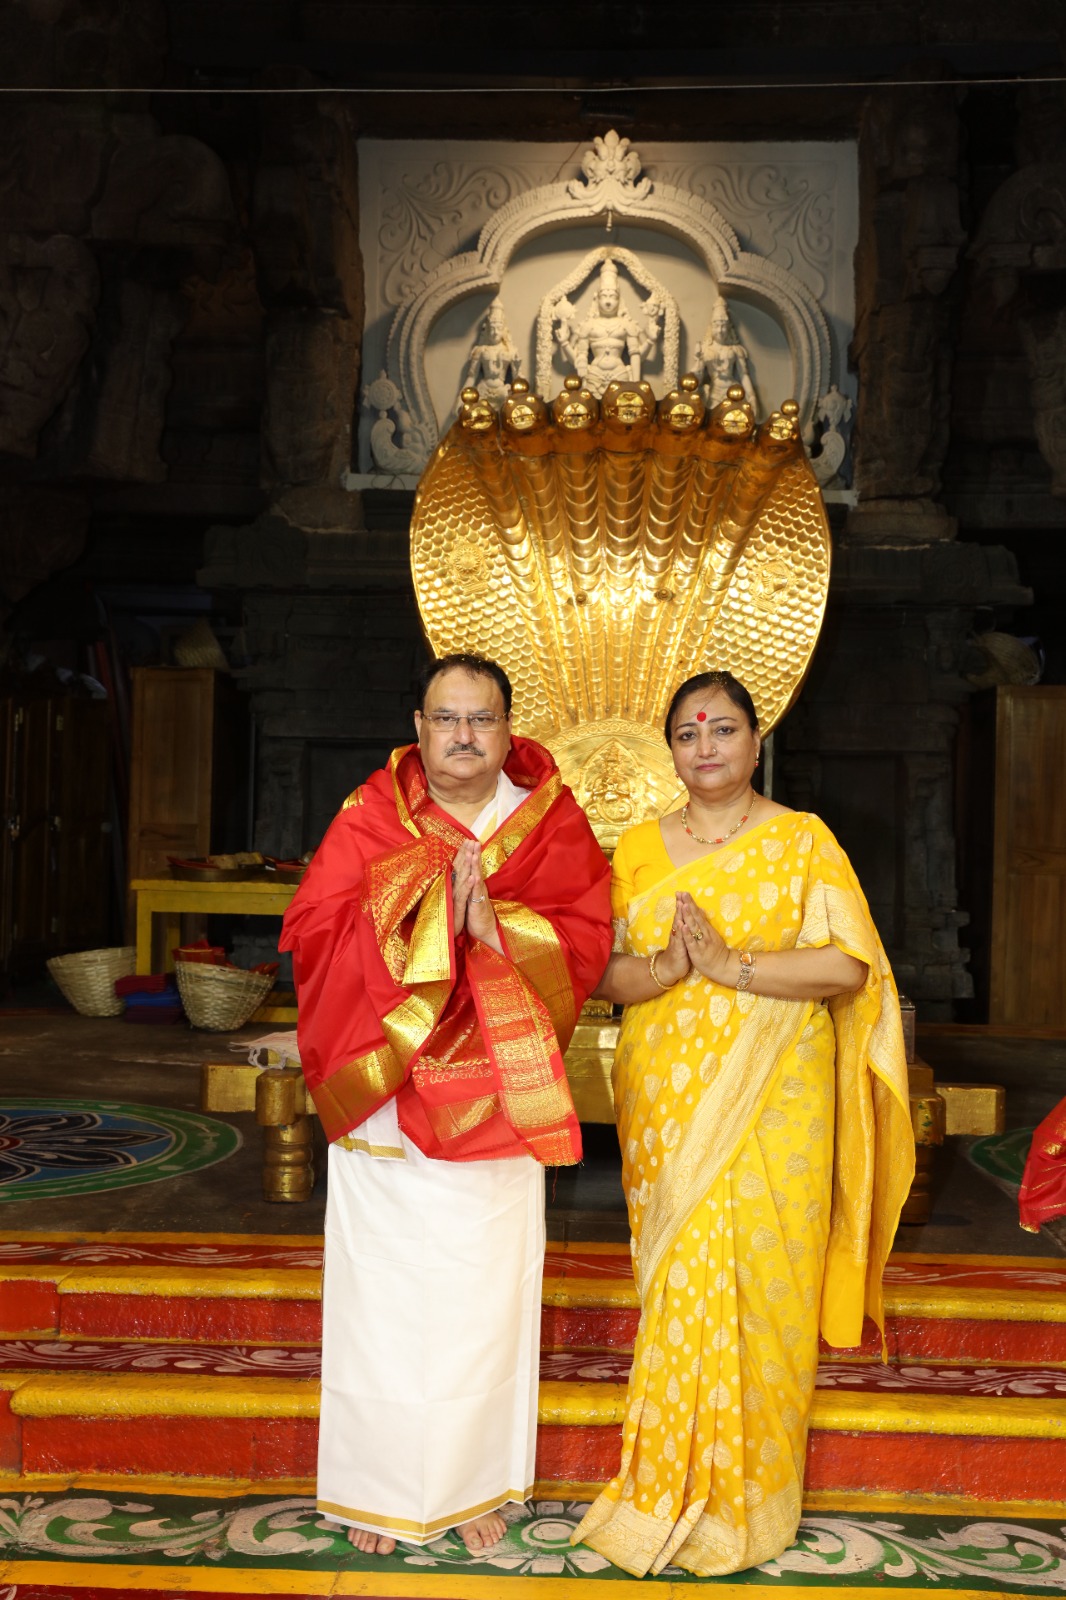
(55, 843)
(1013, 869)
(188, 767)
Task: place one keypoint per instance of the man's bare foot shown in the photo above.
(481, 1533)
(371, 1544)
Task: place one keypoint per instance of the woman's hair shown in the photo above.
(730, 686)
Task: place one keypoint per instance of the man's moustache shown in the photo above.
(463, 749)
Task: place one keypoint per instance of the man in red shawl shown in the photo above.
(449, 929)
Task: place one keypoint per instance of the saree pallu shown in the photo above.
(767, 1151)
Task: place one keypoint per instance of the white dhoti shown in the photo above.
(430, 1336)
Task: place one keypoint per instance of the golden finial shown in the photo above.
(576, 407)
(475, 413)
(522, 411)
(682, 410)
(734, 416)
(628, 404)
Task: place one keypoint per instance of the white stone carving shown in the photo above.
(781, 211)
(608, 342)
(495, 362)
(400, 457)
(425, 283)
(612, 165)
(721, 359)
(424, 222)
(834, 410)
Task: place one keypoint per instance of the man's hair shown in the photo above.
(730, 686)
(476, 666)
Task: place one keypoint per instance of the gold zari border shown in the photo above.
(416, 1532)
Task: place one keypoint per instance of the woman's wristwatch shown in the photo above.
(747, 969)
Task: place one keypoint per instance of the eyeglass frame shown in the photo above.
(479, 721)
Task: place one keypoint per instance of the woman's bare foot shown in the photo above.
(481, 1533)
(371, 1544)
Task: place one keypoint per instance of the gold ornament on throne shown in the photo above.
(604, 550)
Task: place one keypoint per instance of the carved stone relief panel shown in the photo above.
(448, 228)
(48, 294)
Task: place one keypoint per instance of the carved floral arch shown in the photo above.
(610, 188)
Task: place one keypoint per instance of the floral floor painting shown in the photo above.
(80, 1542)
(51, 1148)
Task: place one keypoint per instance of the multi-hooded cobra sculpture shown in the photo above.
(603, 551)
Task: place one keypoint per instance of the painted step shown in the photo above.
(248, 1290)
(958, 1308)
(924, 1438)
(240, 1288)
(21, 1358)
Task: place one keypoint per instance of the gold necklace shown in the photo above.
(699, 837)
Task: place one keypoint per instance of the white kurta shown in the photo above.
(431, 1325)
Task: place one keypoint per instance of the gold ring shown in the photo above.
(475, 900)
(697, 936)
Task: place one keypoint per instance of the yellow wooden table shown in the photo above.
(173, 898)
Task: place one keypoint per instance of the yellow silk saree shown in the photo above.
(766, 1153)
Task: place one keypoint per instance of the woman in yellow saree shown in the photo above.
(761, 1095)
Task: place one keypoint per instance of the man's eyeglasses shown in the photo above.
(480, 722)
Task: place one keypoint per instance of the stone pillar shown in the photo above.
(330, 628)
(306, 239)
(870, 745)
(910, 237)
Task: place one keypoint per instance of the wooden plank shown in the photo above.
(1029, 891)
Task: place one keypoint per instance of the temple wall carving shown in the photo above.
(449, 228)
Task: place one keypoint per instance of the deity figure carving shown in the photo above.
(495, 361)
(612, 787)
(723, 358)
(609, 344)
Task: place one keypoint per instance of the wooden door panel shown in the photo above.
(84, 813)
(170, 787)
(1028, 976)
(32, 910)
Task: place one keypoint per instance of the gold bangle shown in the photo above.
(747, 970)
(652, 959)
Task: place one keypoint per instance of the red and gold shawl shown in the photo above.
(1042, 1196)
(392, 1001)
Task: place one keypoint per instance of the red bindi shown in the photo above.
(701, 716)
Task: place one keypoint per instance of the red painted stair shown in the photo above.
(196, 1357)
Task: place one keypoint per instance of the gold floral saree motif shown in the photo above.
(763, 1187)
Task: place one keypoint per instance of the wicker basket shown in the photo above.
(87, 979)
(220, 998)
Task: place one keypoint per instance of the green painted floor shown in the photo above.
(265, 1535)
